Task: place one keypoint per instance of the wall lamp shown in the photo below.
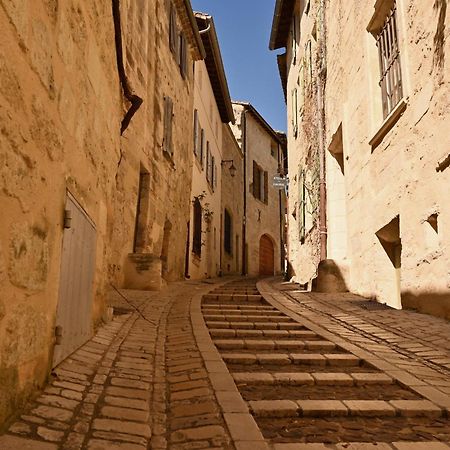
(232, 167)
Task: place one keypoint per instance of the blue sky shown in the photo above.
(243, 27)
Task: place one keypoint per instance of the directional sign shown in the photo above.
(280, 182)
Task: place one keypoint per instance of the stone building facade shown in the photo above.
(367, 87)
(94, 168)
(264, 205)
(212, 113)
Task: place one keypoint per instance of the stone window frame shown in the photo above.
(168, 127)
(389, 116)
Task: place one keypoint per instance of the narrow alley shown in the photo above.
(224, 225)
(241, 364)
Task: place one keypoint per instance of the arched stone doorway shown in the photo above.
(266, 256)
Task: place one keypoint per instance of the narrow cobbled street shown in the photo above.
(247, 365)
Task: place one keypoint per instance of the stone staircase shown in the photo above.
(304, 390)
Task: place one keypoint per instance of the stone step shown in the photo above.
(234, 297)
(402, 445)
(241, 312)
(254, 325)
(318, 378)
(231, 307)
(354, 408)
(264, 317)
(285, 334)
(309, 359)
(268, 344)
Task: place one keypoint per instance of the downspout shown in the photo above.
(322, 152)
(134, 99)
(244, 223)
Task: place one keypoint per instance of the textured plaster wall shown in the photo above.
(303, 257)
(260, 218)
(233, 200)
(208, 265)
(154, 74)
(60, 109)
(399, 176)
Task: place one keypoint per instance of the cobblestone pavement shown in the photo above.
(139, 383)
(231, 364)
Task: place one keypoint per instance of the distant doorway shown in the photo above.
(266, 256)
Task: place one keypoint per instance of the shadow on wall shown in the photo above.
(329, 278)
(434, 303)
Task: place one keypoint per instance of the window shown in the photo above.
(173, 42)
(228, 229)
(260, 184)
(274, 150)
(183, 55)
(202, 147)
(301, 215)
(197, 237)
(294, 38)
(389, 56)
(208, 163)
(168, 119)
(196, 134)
(294, 112)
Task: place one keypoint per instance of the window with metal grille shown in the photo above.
(197, 232)
(389, 55)
(227, 239)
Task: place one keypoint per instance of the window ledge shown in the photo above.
(388, 123)
(169, 158)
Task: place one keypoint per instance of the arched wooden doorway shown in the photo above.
(266, 256)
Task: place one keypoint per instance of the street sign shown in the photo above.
(280, 182)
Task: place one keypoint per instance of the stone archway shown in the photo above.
(266, 256)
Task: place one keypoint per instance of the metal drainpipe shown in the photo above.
(244, 223)
(134, 99)
(322, 154)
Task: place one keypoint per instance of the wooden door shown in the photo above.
(266, 256)
(73, 316)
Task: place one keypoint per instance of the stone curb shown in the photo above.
(243, 429)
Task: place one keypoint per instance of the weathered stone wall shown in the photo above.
(370, 185)
(303, 146)
(209, 193)
(261, 218)
(154, 74)
(60, 110)
(398, 177)
(233, 201)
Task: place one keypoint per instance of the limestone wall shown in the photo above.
(59, 118)
(207, 265)
(398, 177)
(233, 201)
(61, 110)
(261, 218)
(370, 186)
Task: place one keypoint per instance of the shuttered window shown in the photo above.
(168, 121)
(295, 39)
(197, 231)
(227, 238)
(212, 177)
(196, 134)
(202, 147)
(294, 112)
(183, 56)
(173, 39)
(208, 162)
(301, 214)
(260, 185)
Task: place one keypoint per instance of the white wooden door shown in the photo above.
(74, 312)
